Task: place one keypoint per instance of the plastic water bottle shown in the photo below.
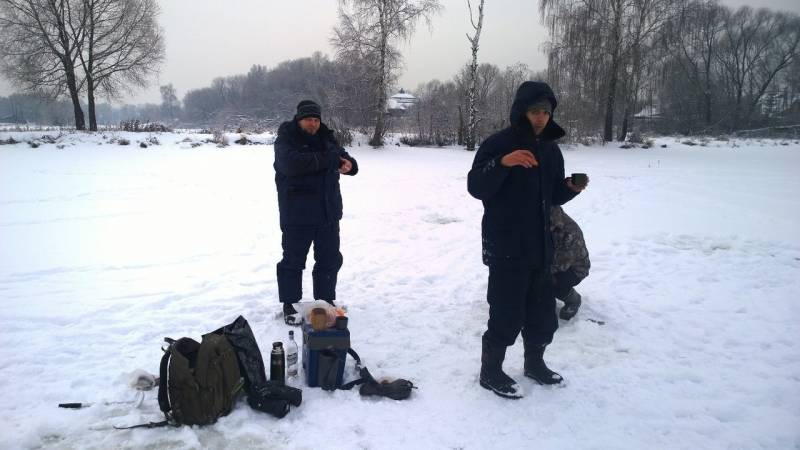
(277, 363)
(291, 356)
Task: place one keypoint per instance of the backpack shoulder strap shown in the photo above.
(163, 397)
(163, 387)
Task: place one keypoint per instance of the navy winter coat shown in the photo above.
(307, 176)
(516, 220)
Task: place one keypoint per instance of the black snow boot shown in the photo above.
(536, 368)
(572, 301)
(492, 375)
(290, 315)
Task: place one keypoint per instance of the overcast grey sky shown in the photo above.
(210, 38)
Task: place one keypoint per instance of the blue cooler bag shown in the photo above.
(324, 355)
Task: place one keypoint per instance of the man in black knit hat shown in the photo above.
(518, 173)
(308, 162)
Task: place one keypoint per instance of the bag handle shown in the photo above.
(365, 375)
(163, 395)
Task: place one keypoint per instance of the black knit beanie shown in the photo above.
(308, 108)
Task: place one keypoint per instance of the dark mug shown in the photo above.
(580, 179)
(341, 323)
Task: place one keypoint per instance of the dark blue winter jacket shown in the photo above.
(516, 200)
(307, 176)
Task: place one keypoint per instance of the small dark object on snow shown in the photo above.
(396, 390)
(274, 398)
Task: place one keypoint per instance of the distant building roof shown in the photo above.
(647, 113)
(401, 101)
(403, 95)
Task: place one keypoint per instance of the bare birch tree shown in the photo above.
(472, 121)
(370, 28)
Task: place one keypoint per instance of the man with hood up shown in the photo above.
(518, 173)
(308, 162)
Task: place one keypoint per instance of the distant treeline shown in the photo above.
(32, 109)
(617, 66)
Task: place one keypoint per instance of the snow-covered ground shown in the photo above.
(106, 249)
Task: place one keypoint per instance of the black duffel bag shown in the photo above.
(262, 394)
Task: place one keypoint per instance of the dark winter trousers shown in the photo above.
(296, 242)
(520, 299)
(564, 282)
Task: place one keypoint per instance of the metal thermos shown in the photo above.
(277, 363)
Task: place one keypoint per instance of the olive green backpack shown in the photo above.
(198, 383)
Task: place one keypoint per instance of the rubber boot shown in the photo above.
(290, 315)
(492, 376)
(572, 301)
(536, 368)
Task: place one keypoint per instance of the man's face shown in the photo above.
(309, 124)
(538, 119)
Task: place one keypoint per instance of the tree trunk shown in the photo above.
(472, 108)
(89, 66)
(377, 135)
(632, 92)
(91, 105)
(737, 112)
(472, 122)
(707, 90)
(608, 129)
(72, 87)
(623, 132)
(460, 126)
